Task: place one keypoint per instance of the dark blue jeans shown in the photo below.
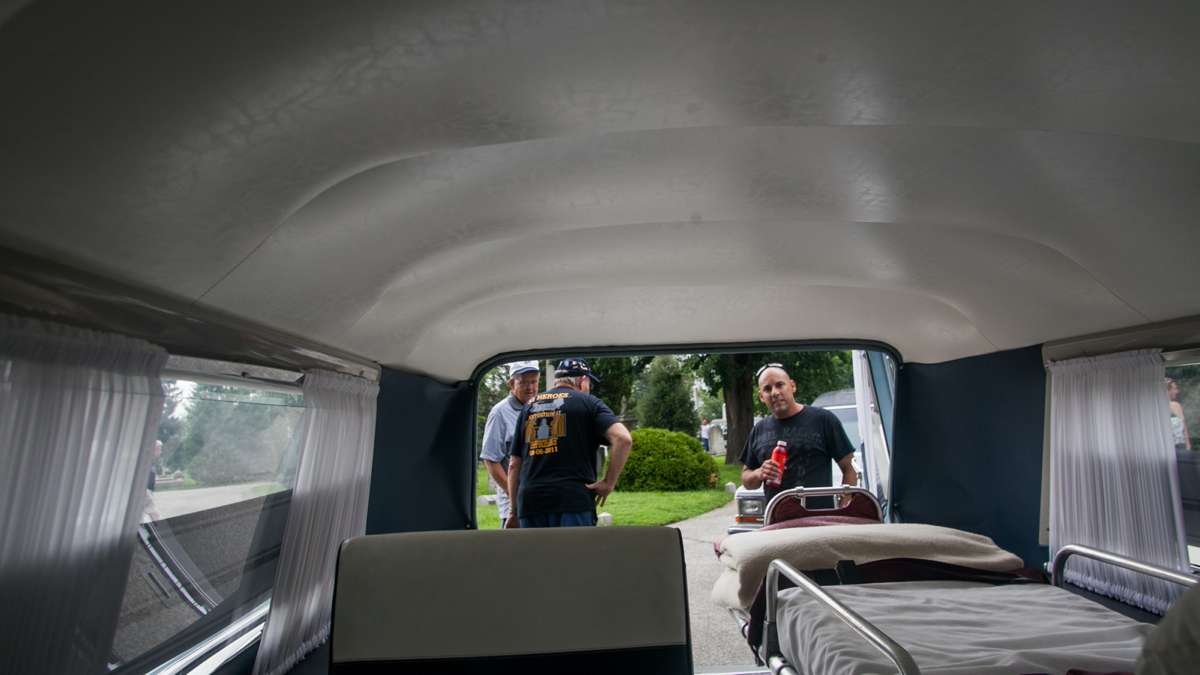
(578, 519)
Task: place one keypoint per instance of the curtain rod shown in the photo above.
(280, 386)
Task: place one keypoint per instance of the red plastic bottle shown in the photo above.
(779, 456)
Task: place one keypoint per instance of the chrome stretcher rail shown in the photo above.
(1065, 553)
(898, 655)
(803, 493)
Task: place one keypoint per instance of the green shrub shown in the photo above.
(664, 460)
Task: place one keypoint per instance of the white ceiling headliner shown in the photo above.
(430, 186)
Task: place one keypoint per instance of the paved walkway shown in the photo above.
(171, 503)
(715, 638)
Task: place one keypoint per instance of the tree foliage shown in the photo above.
(710, 405)
(667, 403)
(170, 426)
(732, 375)
(617, 376)
(493, 387)
(236, 434)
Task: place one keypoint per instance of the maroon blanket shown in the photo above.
(789, 509)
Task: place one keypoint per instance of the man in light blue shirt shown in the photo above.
(523, 380)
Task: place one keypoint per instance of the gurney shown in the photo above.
(856, 553)
(949, 627)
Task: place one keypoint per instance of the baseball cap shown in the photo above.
(573, 368)
(519, 367)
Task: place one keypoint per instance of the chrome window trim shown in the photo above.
(253, 621)
(229, 651)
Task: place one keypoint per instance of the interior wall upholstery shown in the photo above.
(968, 447)
(423, 465)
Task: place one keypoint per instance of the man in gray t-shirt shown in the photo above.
(523, 380)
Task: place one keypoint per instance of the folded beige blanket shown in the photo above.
(745, 556)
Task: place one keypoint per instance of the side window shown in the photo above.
(1183, 401)
(216, 504)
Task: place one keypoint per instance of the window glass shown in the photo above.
(1183, 402)
(216, 503)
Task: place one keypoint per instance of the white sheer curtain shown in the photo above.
(78, 415)
(329, 505)
(1114, 482)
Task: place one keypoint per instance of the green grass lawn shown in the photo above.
(481, 480)
(637, 508)
(186, 484)
(730, 473)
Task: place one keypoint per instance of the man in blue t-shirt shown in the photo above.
(813, 436)
(552, 465)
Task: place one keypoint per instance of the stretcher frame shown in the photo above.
(898, 655)
(804, 493)
(740, 616)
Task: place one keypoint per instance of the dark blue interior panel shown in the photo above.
(424, 464)
(968, 447)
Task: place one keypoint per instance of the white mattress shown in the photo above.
(959, 627)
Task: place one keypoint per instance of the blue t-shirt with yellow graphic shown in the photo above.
(556, 437)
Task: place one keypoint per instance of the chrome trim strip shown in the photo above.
(221, 656)
(898, 655)
(253, 619)
(1060, 565)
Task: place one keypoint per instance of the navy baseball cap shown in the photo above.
(575, 368)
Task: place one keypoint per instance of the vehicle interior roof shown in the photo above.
(426, 185)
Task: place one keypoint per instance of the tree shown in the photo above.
(236, 434)
(710, 405)
(617, 376)
(732, 375)
(170, 425)
(493, 387)
(667, 403)
(814, 372)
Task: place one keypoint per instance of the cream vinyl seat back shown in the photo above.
(610, 600)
